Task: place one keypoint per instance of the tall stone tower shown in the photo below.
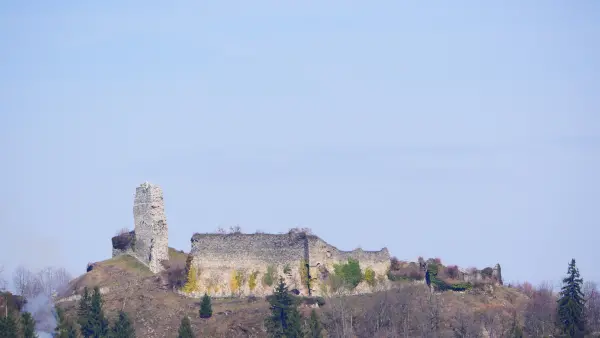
(151, 231)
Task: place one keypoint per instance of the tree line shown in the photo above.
(408, 311)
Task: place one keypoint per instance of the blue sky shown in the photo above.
(465, 130)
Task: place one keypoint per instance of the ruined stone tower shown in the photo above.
(151, 231)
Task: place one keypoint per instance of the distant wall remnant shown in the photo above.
(149, 242)
(237, 263)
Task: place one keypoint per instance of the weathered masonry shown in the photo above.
(226, 263)
(149, 242)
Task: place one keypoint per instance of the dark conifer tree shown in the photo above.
(185, 328)
(571, 304)
(315, 329)
(284, 320)
(65, 328)
(83, 309)
(122, 327)
(206, 307)
(8, 327)
(96, 324)
(28, 325)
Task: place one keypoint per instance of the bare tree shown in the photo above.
(429, 314)
(122, 231)
(540, 312)
(465, 325)
(592, 306)
(235, 229)
(53, 280)
(26, 282)
(2, 280)
(341, 317)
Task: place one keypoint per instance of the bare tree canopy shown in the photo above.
(2, 280)
(48, 281)
(592, 306)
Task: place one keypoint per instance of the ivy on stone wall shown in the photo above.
(370, 277)
(269, 277)
(304, 273)
(237, 280)
(191, 284)
(252, 280)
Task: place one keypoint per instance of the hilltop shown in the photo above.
(157, 309)
(358, 290)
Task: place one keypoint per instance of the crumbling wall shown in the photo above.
(324, 256)
(123, 244)
(222, 258)
(219, 258)
(151, 230)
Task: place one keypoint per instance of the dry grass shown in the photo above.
(157, 311)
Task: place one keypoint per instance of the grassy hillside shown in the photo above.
(409, 309)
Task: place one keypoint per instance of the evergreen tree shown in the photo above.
(314, 326)
(8, 327)
(83, 310)
(185, 329)
(96, 324)
(570, 304)
(28, 325)
(65, 328)
(284, 321)
(122, 327)
(205, 307)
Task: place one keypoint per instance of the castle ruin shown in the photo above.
(223, 265)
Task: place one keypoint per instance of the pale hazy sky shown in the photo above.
(466, 130)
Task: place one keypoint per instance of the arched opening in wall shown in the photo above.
(328, 254)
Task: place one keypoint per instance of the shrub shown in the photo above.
(269, 277)
(349, 273)
(433, 268)
(370, 277)
(451, 271)
(394, 263)
(175, 274)
(124, 241)
(252, 280)
(313, 300)
(438, 261)
(487, 272)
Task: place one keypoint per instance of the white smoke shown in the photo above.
(40, 303)
(42, 310)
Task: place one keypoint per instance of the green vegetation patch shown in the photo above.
(269, 276)
(349, 273)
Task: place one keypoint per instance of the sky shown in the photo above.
(464, 130)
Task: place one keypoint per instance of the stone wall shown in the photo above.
(322, 253)
(220, 257)
(151, 230)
